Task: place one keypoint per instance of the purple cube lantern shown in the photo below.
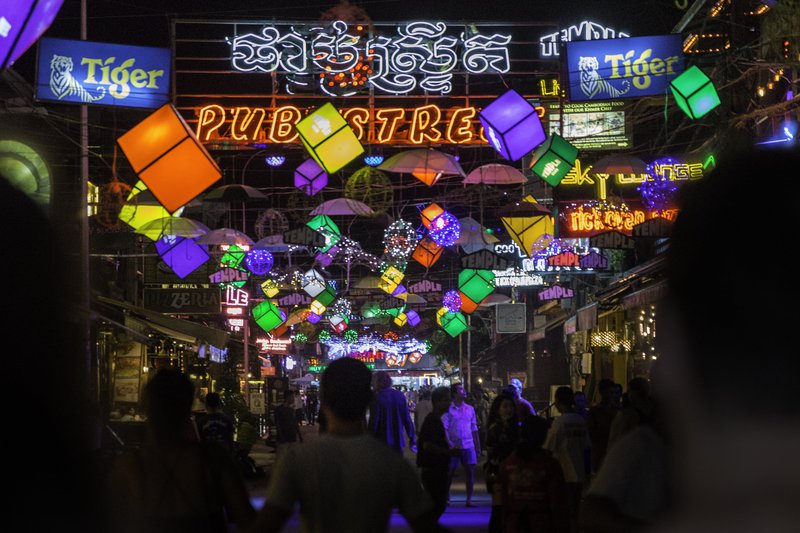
(326, 258)
(182, 255)
(412, 318)
(512, 126)
(310, 178)
(313, 317)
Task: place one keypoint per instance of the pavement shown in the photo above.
(457, 517)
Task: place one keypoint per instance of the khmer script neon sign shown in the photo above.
(421, 56)
(583, 31)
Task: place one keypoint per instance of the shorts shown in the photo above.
(466, 458)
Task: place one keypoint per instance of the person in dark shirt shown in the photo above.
(286, 422)
(434, 453)
(217, 426)
(389, 416)
(501, 440)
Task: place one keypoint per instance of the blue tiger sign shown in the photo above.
(623, 68)
(85, 72)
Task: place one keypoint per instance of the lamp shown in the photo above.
(401, 319)
(476, 284)
(511, 125)
(329, 139)
(468, 306)
(326, 297)
(429, 214)
(182, 255)
(168, 158)
(310, 178)
(445, 229)
(454, 324)
(268, 316)
(440, 313)
(427, 252)
(694, 92)
(313, 317)
(313, 283)
(390, 279)
(412, 317)
(531, 232)
(328, 228)
(553, 159)
(259, 261)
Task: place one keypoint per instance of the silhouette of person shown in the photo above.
(330, 476)
(389, 416)
(462, 433)
(434, 452)
(173, 482)
(217, 426)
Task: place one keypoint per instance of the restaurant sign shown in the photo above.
(85, 72)
(623, 68)
(183, 301)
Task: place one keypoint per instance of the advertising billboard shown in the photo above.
(591, 125)
(623, 68)
(85, 72)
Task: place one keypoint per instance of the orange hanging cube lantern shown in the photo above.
(468, 305)
(430, 213)
(427, 252)
(427, 176)
(168, 158)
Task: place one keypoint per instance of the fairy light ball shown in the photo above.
(452, 301)
(445, 229)
(259, 261)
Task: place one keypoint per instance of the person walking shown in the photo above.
(434, 454)
(461, 425)
(389, 416)
(599, 420)
(501, 439)
(217, 426)
(524, 407)
(331, 476)
(286, 423)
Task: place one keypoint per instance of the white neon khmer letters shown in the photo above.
(420, 56)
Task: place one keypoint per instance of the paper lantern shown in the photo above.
(317, 308)
(22, 22)
(554, 159)
(401, 289)
(326, 258)
(168, 158)
(454, 324)
(694, 92)
(182, 255)
(445, 229)
(476, 284)
(531, 233)
(313, 317)
(429, 214)
(270, 288)
(512, 126)
(440, 313)
(468, 305)
(232, 257)
(328, 228)
(390, 279)
(427, 252)
(313, 283)
(280, 330)
(329, 139)
(267, 315)
(259, 261)
(310, 178)
(326, 297)
(427, 176)
(412, 317)
(339, 326)
(401, 319)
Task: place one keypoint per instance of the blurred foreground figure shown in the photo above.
(729, 364)
(345, 480)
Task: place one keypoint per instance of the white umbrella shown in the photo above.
(227, 236)
(494, 299)
(495, 174)
(474, 237)
(426, 164)
(343, 206)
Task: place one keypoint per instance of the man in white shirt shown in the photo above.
(461, 427)
(331, 476)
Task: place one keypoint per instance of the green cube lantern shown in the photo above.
(454, 324)
(268, 316)
(329, 139)
(477, 284)
(328, 228)
(326, 297)
(553, 159)
(694, 92)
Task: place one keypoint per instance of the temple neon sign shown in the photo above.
(391, 125)
(420, 56)
(583, 31)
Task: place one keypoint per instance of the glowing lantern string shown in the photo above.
(452, 301)
(658, 190)
(338, 347)
(445, 229)
(259, 261)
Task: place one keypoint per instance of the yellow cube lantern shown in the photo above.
(270, 288)
(329, 139)
(531, 233)
(317, 307)
(440, 313)
(401, 319)
(168, 158)
(390, 279)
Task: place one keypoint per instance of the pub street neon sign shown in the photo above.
(421, 56)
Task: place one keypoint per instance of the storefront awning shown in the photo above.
(184, 330)
(647, 295)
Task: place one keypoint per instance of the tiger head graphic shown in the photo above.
(587, 66)
(60, 75)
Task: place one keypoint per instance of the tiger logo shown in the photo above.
(63, 84)
(592, 84)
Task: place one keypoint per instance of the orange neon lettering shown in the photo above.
(388, 118)
(210, 118)
(422, 124)
(540, 111)
(283, 121)
(460, 128)
(247, 123)
(357, 117)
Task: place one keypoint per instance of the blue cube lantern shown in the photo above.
(182, 255)
(512, 125)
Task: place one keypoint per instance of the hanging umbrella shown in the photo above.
(178, 226)
(619, 164)
(427, 165)
(495, 174)
(227, 236)
(411, 298)
(236, 192)
(368, 282)
(474, 237)
(343, 206)
(522, 209)
(494, 299)
(272, 243)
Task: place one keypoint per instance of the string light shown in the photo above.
(275, 160)
(340, 347)
(399, 240)
(351, 336)
(259, 261)
(657, 191)
(452, 301)
(445, 229)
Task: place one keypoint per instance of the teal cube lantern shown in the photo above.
(454, 324)
(268, 316)
(329, 139)
(477, 284)
(694, 92)
(553, 159)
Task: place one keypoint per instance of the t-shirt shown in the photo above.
(346, 484)
(218, 427)
(460, 422)
(432, 431)
(421, 412)
(568, 439)
(286, 422)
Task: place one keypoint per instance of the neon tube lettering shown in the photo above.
(210, 118)
(422, 125)
(247, 123)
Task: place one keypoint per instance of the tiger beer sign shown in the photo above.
(85, 72)
(623, 68)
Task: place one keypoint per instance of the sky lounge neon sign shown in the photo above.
(421, 56)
